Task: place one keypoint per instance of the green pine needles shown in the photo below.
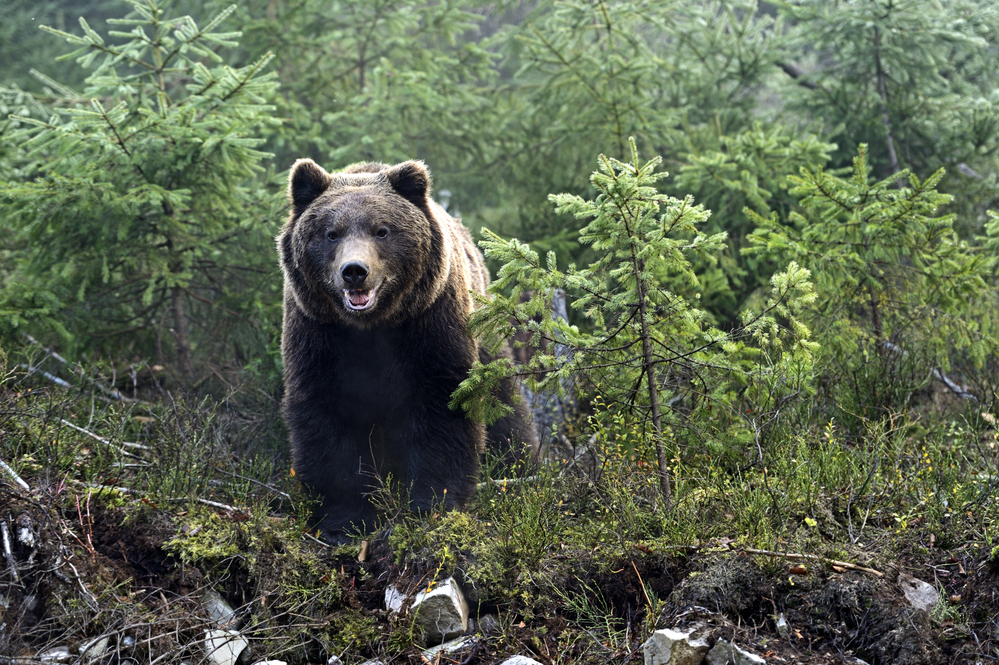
(137, 216)
(900, 294)
(642, 346)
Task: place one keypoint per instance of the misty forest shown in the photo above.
(744, 262)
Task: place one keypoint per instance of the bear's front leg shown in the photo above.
(338, 468)
(443, 459)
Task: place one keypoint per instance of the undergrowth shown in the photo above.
(142, 507)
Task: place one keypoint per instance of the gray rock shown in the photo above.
(30, 603)
(270, 662)
(94, 648)
(25, 531)
(334, 660)
(489, 624)
(440, 614)
(223, 646)
(726, 653)
(464, 643)
(671, 647)
(219, 612)
(920, 595)
(128, 641)
(373, 662)
(520, 660)
(56, 655)
(394, 598)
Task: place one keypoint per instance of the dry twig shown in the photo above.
(811, 557)
(17, 479)
(7, 553)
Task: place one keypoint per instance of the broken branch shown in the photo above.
(811, 557)
(16, 478)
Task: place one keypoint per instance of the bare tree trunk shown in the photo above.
(876, 320)
(885, 118)
(180, 333)
(650, 379)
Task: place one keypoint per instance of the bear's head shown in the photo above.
(362, 246)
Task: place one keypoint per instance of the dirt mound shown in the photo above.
(69, 581)
(846, 614)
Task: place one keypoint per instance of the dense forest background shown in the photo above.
(788, 343)
(154, 234)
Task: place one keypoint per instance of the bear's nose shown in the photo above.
(354, 273)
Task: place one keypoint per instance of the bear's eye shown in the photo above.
(381, 233)
(332, 236)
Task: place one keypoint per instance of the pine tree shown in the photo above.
(142, 209)
(914, 80)
(646, 348)
(895, 283)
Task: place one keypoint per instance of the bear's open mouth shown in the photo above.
(359, 299)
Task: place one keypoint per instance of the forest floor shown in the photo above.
(131, 515)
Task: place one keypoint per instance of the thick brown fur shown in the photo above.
(375, 340)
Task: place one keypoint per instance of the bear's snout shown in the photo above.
(354, 274)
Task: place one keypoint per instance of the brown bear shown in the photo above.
(377, 281)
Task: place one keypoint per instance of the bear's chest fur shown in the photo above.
(369, 380)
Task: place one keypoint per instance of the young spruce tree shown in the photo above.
(645, 348)
(897, 289)
(138, 214)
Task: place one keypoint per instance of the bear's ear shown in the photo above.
(411, 181)
(305, 183)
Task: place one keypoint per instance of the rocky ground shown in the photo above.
(110, 585)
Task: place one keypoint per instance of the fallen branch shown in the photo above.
(811, 557)
(63, 383)
(783, 555)
(213, 504)
(16, 478)
(316, 540)
(953, 386)
(111, 392)
(106, 442)
(101, 488)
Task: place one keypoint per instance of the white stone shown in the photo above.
(520, 660)
(920, 595)
(270, 662)
(394, 598)
(783, 627)
(334, 660)
(442, 613)
(671, 647)
(219, 612)
(94, 648)
(26, 537)
(726, 653)
(56, 655)
(449, 648)
(223, 646)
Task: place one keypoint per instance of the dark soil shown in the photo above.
(833, 617)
